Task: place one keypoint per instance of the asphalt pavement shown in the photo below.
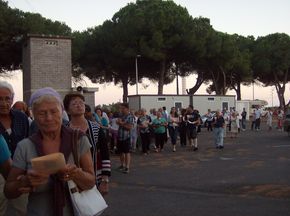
(249, 177)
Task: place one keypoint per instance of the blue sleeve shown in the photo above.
(4, 151)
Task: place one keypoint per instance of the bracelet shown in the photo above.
(105, 180)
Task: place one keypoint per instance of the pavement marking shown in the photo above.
(225, 158)
(279, 146)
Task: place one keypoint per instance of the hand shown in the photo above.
(25, 184)
(69, 172)
(36, 178)
(104, 188)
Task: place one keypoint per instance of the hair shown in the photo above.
(4, 84)
(116, 114)
(183, 111)
(98, 108)
(88, 108)
(25, 107)
(174, 112)
(69, 97)
(126, 105)
(190, 106)
(42, 98)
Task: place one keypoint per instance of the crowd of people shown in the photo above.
(47, 126)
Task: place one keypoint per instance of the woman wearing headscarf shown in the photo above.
(48, 194)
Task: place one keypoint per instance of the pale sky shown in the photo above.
(244, 17)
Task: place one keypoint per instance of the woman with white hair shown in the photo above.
(48, 194)
(14, 127)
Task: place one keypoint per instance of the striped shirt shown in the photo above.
(123, 133)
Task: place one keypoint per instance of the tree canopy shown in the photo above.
(165, 40)
(14, 25)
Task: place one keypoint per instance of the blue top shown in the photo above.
(4, 151)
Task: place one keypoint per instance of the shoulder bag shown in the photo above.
(89, 202)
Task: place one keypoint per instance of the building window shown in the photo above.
(210, 99)
(51, 42)
(161, 99)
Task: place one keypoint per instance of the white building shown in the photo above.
(199, 102)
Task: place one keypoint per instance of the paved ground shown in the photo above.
(250, 177)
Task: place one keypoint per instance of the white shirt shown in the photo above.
(258, 113)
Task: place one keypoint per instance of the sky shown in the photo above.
(244, 17)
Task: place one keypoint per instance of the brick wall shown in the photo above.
(46, 63)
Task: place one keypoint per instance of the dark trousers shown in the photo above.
(209, 125)
(145, 140)
(253, 125)
(173, 134)
(182, 134)
(159, 140)
(257, 124)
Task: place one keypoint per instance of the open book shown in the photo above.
(51, 163)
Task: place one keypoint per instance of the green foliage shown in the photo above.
(14, 25)
(271, 62)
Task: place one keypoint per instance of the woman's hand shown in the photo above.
(104, 187)
(31, 180)
(36, 178)
(69, 172)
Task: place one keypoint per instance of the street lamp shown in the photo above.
(136, 64)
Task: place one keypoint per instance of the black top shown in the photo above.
(244, 115)
(191, 117)
(19, 129)
(219, 122)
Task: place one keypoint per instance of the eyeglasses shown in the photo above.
(76, 103)
(6, 99)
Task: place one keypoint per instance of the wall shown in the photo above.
(200, 102)
(47, 63)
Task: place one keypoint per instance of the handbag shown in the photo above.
(88, 202)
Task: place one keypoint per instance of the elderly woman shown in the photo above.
(48, 194)
(74, 104)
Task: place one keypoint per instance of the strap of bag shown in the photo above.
(75, 147)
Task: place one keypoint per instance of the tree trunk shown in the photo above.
(125, 90)
(161, 77)
(281, 88)
(198, 83)
(238, 91)
(177, 81)
(215, 81)
(224, 81)
(280, 92)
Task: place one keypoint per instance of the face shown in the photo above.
(5, 101)
(159, 114)
(19, 106)
(48, 116)
(99, 112)
(124, 110)
(76, 107)
(189, 109)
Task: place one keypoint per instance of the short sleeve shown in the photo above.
(85, 145)
(4, 151)
(19, 160)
